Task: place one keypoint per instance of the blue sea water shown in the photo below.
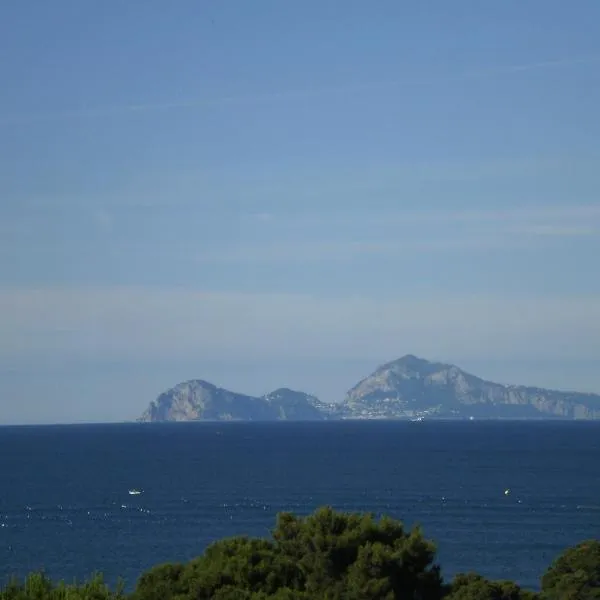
(65, 506)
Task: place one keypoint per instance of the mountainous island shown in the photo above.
(408, 388)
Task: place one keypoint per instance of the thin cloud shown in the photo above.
(396, 233)
(557, 230)
(107, 111)
(294, 251)
(251, 191)
(581, 212)
(125, 323)
(343, 236)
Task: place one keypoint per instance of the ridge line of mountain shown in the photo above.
(407, 388)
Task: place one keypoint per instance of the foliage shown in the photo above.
(325, 556)
(471, 586)
(575, 574)
(38, 586)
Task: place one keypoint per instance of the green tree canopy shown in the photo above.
(40, 587)
(471, 586)
(327, 555)
(575, 574)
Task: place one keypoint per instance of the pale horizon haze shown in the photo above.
(266, 194)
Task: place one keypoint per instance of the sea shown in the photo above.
(499, 498)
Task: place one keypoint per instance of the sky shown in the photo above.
(268, 193)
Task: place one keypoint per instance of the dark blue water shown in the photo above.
(65, 507)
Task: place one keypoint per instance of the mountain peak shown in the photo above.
(409, 363)
(410, 360)
(283, 391)
(197, 383)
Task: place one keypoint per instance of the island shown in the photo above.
(409, 388)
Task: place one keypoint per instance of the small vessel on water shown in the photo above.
(135, 492)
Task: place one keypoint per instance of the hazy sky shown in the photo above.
(279, 193)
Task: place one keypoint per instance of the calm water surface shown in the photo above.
(65, 506)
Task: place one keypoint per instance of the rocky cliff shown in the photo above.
(412, 387)
(199, 400)
(407, 388)
(292, 405)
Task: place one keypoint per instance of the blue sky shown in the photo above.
(290, 193)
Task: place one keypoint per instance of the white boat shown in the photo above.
(134, 492)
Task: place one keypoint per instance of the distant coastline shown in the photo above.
(409, 388)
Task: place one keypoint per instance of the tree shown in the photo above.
(40, 587)
(575, 574)
(471, 586)
(329, 555)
